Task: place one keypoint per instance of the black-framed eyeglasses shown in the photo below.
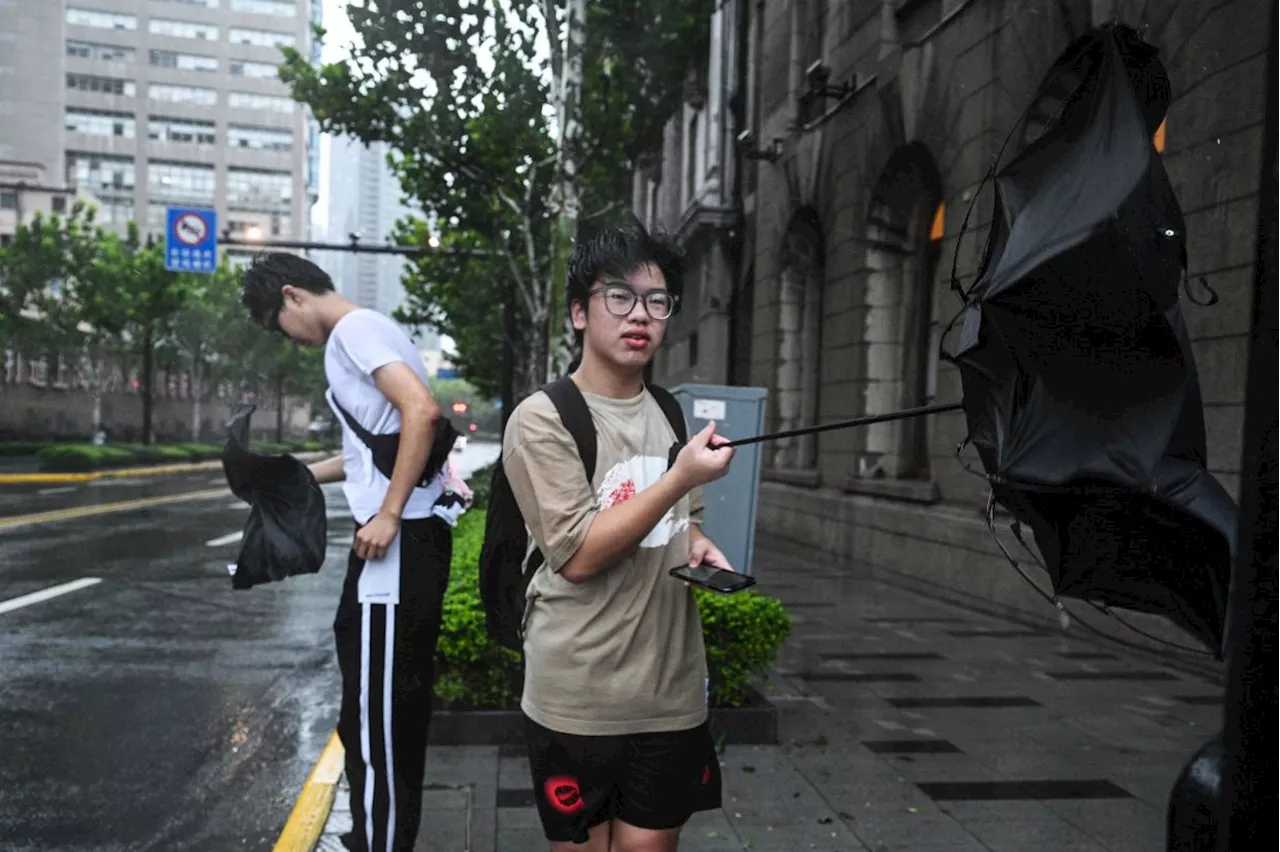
(620, 300)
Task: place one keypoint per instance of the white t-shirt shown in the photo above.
(360, 343)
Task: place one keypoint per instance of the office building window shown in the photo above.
(8, 200)
(260, 70)
(101, 20)
(182, 29)
(256, 189)
(114, 211)
(101, 123)
(157, 219)
(197, 95)
(104, 85)
(183, 130)
(261, 38)
(246, 100)
(180, 181)
(260, 138)
(185, 61)
(208, 4)
(279, 8)
(100, 174)
(104, 52)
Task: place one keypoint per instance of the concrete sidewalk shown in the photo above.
(909, 724)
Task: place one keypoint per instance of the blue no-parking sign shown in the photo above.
(191, 239)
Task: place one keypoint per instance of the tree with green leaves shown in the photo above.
(487, 129)
(127, 299)
(205, 336)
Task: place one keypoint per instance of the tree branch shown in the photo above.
(603, 211)
(553, 38)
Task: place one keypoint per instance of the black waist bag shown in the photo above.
(385, 447)
(285, 533)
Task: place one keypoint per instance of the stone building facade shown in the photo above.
(836, 218)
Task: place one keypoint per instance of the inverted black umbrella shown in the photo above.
(1080, 387)
(285, 532)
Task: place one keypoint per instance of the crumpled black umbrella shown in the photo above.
(286, 529)
(1080, 387)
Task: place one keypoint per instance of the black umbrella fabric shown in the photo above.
(285, 533)
(1080, 387)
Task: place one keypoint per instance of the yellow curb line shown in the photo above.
(128, 472)
(310, 813)
(108, 508)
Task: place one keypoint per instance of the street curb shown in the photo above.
(311, 811)
(120, 472)
(156, 470)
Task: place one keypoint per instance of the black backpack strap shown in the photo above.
(671, 408)
(576, 417)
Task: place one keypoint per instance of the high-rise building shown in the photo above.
(151, 103)
(365, 200)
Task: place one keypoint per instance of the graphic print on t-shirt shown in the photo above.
(627, 479)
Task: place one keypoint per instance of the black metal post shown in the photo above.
(1249, 776)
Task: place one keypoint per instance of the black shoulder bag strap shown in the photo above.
(576, 417)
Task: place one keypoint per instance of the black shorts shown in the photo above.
(654, 781)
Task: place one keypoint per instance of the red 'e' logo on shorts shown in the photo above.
(563, 794)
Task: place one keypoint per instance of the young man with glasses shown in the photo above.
(388, 618)
(615, 691)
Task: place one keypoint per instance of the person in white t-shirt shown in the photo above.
(388, 618)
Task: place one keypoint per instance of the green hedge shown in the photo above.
(77, 458)
(743, 633)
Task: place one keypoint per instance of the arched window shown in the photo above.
(904, 230)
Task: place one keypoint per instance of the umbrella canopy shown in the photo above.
(286, 530)
(1080, 386)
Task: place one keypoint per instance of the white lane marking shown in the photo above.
(226, 539)
(46, 594)
(62, 489)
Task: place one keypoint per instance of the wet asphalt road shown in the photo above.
(158, 709)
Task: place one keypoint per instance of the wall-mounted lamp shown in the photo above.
(748, 151)
(818, 76)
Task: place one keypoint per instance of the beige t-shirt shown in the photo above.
(621, 653)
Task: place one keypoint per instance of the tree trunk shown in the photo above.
(566, 192)
(195, 400)
(148, 371)
(510, 328)
(280, 408)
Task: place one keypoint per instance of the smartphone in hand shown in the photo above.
(713, 578)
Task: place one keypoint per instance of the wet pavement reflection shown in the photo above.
(158, 709)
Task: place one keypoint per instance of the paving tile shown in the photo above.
(514, 772)
(889, 747)
(969, 702)
(518, 797)
(1126, 676)
(860, 677)
(885, 656)
(1082, 788)
(523, 839)
(444, 830)
(832, 837)
(709, 831)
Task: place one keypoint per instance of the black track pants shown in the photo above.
(387, 657)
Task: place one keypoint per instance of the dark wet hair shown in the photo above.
(262, 284)
(617, 253)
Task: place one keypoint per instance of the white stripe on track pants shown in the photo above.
(387, 657)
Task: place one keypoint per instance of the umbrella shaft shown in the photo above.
(904, 414)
